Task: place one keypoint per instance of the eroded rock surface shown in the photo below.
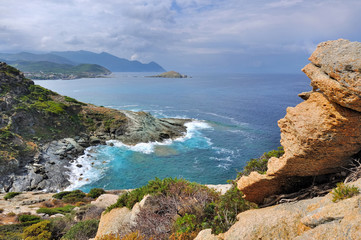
(321, 134)
(317, 218)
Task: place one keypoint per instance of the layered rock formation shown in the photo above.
(42, 131)
(321, 134)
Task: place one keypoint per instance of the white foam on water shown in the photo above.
(94, 169)
(147, 148)
(91, 170)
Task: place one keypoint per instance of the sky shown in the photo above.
(247, 36)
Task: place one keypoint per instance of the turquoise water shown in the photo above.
(236, 119)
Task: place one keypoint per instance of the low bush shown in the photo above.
(180, 197)
(38, 231)
(130, 236)
(10, 195)
(11, 232)
(28, 218)
(221, 215)
(96, 192)
(11, 214)
(183, 236)
(153, 187)
(260, 164)
(82, 230)
(71, 196)
(186, 224)
(61, 225)
(72, 100)
(343, 191)
(53, 211)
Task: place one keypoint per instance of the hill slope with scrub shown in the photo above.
(40, 128)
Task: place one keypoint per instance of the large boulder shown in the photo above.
(321, 134)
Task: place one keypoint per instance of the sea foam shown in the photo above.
(93, 169)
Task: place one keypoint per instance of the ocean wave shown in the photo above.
(231, 119)
(86, 169)
(223, 159)
(193, 128)
(220, 150)
(93, 169)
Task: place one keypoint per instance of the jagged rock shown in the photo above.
(113, 222)
(336, 71)
(317, 218)
(321, 134)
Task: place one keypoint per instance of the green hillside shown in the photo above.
(51, 70)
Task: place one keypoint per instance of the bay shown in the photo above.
(236, 117)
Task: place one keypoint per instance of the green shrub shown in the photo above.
(73, 100)
(53, 211)
(343, 191)
(28, 218)
(129, 199)
(221, 215)
(95, 192)
(38, 231)
(82, 230)
(186, 224)
(11, 232)
(10, 195)
(60, 225)
(70, 196)
(260, 164)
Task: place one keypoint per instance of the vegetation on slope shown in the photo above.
(183, 209)
(31, 114)
(260, 164)
(51, 70)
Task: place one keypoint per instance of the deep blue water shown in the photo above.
(237, 120)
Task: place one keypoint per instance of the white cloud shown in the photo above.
(162, 30)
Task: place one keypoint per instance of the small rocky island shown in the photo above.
(170, 74)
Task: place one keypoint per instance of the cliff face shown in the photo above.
(321, 134)
(41, 131)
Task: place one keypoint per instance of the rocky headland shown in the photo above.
(41, 132)
(321, 135)
(321, 143)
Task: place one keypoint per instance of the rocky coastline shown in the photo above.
(42, 132)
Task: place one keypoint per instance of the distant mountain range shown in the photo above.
(109, 61)
(104, 59)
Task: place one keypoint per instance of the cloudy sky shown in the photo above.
(184, 35)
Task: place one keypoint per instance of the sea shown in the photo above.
(235, 119)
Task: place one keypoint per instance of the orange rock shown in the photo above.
(321, 134)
